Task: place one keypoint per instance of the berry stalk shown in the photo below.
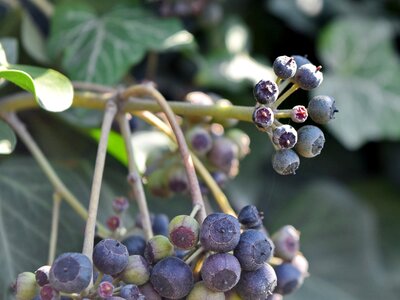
(134, 178)
(55, 216)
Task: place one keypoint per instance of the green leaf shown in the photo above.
(102, 48)
(33, 40)
(362, 73)
(52, 90)
(8, 139)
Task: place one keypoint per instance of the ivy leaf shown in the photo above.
(102, 48)
(362, 74)
(8, 139)
(51, 89)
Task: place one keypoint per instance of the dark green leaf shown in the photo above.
(362, 72)
(8, 139)
(52, 90)
(102, 48)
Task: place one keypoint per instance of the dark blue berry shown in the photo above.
(149, 292)
(135, 244)
(172, 278)
(250, 217)
(322, 109)
(266, 92)
(71, 272)
(285, 161)
(284, 67)
(289, 278)
(159, 224)
(110, 256)
(257, 284)
(310, 141)
(220, 232)
(300, 60)
(253, 250)
(284, 136)
(221, 272)
(263, 117)
(308, 77)
(131, 292)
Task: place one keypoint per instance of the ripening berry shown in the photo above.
(47, 292)
(220, 272)
(113, 222)
(220, 232)
(308, 77)
(42, 275)
(287, 242)
(284, 136)
(25, 286)
(322, 109)
(285, 162)
(157, 248)
(184, 232)
(301, 263)
(201, 292)
(105, 289)
(310, 141)
(137, 271)
(241, 139)
(110, 256)
(199, 140)
(177, 180)
(120, 204)
(284, 67)
(299, 114)
(263, 117)
(223, 154)
(71, 272)
(266, 92)
(172, 278)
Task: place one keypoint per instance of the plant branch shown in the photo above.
(59, 186)
(134, 178)
(284, 96)
(194, 186)
(109, 114)
(54, 227)
(218, 194)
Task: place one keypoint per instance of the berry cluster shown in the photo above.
(307, 141)
(218, 146)
(223, 258)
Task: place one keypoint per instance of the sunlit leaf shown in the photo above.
(52, 90)
(362, 73)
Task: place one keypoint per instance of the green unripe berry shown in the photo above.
(25, 286)
(157, 248)
(137, 271)
(310, 141)
(201, 292)
(322, 109)
(157, 183)
(285, 162)
(184, 232)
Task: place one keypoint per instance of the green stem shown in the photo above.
(54, 227)
(134, 178)
(59, 186)
(283, 97)
(194, 255)
(110, 112)
(283, 114)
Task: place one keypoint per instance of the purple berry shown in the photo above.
(284, 136)
(42, 275)
(199, 140)
(221, 272)
(223, 153)
(177, 180)
(105, 289)
(172, 278)
(299, 114)
(263, 117)
(132, 292)
(289, 278)
(284, 67)
(47, 292)
(110, 256)
(250, 217)
(266, 92)
(71, 272)
(149, 292)
(220, 232)
(113, 222)
(120, 204)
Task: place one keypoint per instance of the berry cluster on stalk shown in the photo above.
(223, 258)
(306, 141)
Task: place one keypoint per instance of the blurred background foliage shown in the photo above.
(345, 202)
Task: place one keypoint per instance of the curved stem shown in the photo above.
(218, 194)
(55, 217)
(59, 186)
(284, 96)
(134, 178)
(88, 242)
(194, 186)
